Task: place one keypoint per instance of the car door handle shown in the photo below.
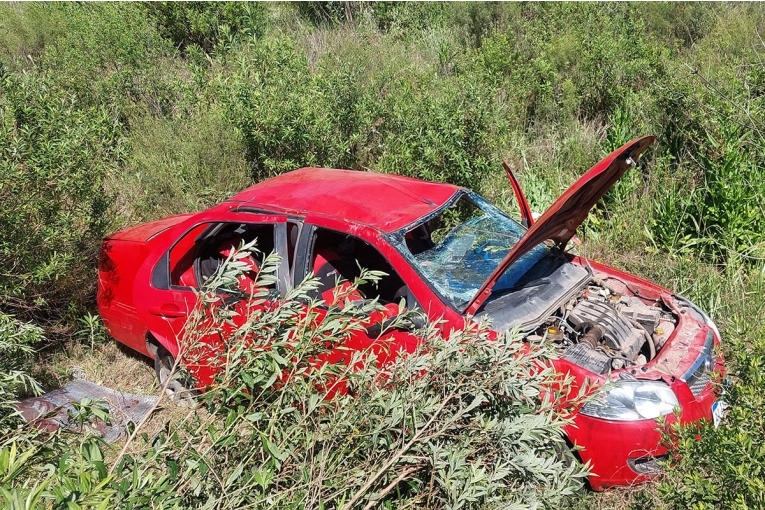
(167, 311)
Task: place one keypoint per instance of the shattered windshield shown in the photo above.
(458, 248)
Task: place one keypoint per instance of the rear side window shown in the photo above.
(199, 253)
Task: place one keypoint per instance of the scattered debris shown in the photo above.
(84, 406)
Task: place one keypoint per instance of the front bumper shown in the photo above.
(623, 453)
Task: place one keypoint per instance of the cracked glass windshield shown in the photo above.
(459, 247)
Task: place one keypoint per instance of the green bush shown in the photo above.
(330, 12)
(288, 116)
(207, 24)
(108, 55)
(545, 56)
(721, 214)
(350, 117)
(723, 467)
(28, 29)
(179, 164)
(56, 154)
(17, 340)
(461, 423)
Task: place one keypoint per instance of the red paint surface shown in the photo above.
(560, 221)
(384, 202)
(527, 218)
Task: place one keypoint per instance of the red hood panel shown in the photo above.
(560, 221)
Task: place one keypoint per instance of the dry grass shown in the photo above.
(639, 496)
(117, 367)
(110, 365)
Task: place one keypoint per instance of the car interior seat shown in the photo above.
(217, 253)
(335, 274)
(247, 280)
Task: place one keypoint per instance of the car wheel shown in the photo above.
(175, 389)
(566, 453)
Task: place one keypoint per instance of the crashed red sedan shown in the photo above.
(656, 349)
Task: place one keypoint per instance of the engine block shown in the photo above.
(619, 334)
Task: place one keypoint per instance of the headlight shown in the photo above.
(632, 401)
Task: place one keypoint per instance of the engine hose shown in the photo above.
(651, 345)
(648, 338)
(593, 336)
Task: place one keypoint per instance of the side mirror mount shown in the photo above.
(414, 319)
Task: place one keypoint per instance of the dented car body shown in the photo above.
(457, 257)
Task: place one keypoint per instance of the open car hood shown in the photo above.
(560, 221)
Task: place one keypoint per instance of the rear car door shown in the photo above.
(167, 285)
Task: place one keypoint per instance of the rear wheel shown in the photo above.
(176, 387)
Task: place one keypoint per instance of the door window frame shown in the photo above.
(160, 275)
(303, 266)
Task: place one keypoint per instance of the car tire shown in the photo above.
(566, 453)
(176, 391)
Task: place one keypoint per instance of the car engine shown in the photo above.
(601, 330)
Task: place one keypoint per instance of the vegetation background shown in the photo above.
(115, 114)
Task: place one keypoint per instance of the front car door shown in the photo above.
(327, 252)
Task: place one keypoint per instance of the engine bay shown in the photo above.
(600, 329)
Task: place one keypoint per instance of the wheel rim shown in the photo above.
(174, 389)
(165, 369)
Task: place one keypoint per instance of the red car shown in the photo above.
(452, 254)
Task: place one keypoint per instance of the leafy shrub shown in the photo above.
(439, 131)
(678, 23)
(722, 215)
(78, 478)
(56, 154)
(108, 55)
(413, 125)
(463, 422)
(179, 164)
(17, 340)
(289, 117)
(348, 11)
(207, 24)
(722, 467)
(543, 55)
(330, 12)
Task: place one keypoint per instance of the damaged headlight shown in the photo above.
(632, 401)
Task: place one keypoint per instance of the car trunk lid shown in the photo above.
(145, 231)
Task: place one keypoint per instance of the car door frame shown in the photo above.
(153, 282)
(424, 297)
